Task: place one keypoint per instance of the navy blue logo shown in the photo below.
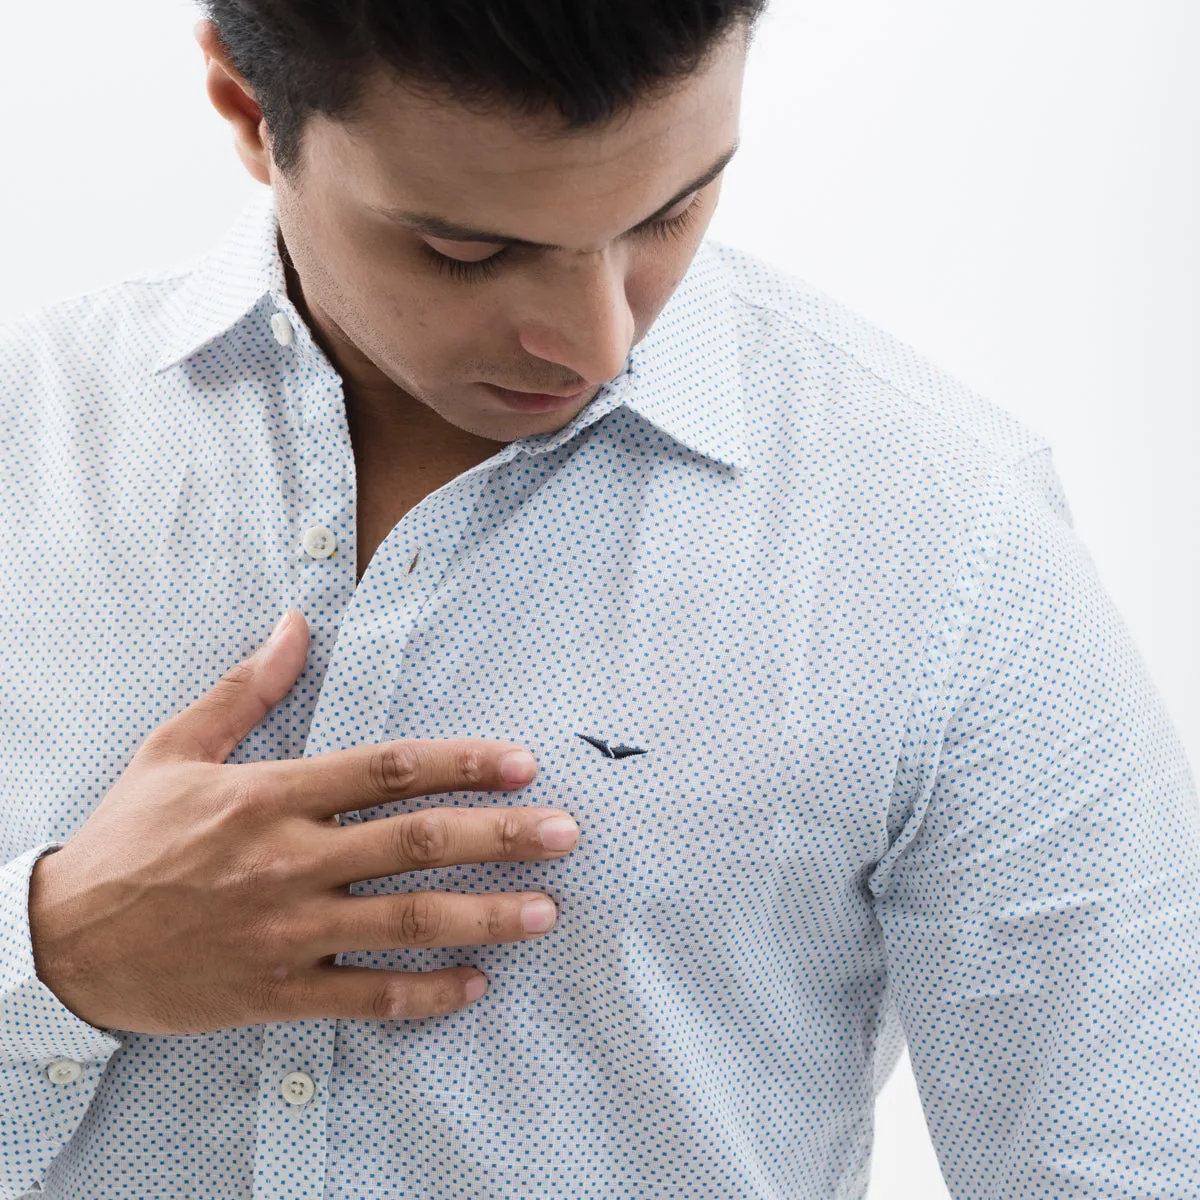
(610, 751)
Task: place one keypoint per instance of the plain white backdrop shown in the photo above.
(1012, 189)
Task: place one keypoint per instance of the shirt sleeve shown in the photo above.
(51, 1061)
(1040, 902)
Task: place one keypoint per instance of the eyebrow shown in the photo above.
(431, 226)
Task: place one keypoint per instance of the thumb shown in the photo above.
(211, 726)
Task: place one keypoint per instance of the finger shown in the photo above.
(427, 920)
(210, 727)
(344, 780)
(368, 994)
(441, 837)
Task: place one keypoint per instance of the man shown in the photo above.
(838, 739)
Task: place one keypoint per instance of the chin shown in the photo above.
(508, 427)
(499, 425)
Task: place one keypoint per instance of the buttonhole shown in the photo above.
(414, 562)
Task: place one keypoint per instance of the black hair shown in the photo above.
(590, 60)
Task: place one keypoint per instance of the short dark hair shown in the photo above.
(589, 59)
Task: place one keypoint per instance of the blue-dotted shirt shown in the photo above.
(906, 776)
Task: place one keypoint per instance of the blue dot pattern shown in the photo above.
(906, 776)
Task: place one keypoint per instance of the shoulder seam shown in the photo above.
(793, 319)
(91, 296)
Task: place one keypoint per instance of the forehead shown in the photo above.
(418, 149)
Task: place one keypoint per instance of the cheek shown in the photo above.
(433, 338)
(414, 323)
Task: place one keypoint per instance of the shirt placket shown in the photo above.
(356, 698)
(291, 1139)
(374, 657)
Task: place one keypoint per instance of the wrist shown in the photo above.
(46, 925)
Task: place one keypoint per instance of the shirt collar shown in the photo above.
(226, 284)
(683, 377)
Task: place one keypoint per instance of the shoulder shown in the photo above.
(77, 391)
(119, 325)
(84, 356)
(807, 353)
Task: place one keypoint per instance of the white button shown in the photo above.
(298, 1087)
(64, 1070)
(282, 329)
(319, 542)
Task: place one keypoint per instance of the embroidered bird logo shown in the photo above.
(608, 751)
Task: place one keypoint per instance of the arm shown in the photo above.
(1040, 903)
(40, 1041)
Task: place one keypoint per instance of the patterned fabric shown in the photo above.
(905, 775)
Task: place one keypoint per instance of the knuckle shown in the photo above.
(494, 921)
(240, 673)
(269, 997)
(507, 833)
(417, 920)
(394, 1000)
(445, 994)
(469, 766)
(244, 798)
(267, 867)
(156, 744)
(395, 769)
(266, 933)
(423, 838)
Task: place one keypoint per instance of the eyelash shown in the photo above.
(488, 268)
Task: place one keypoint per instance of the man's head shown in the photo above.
(413, 145)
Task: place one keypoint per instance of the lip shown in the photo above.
(534, 401)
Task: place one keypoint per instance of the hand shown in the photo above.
(201, 896)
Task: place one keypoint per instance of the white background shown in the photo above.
(1010, 188)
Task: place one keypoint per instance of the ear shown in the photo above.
(233, 98)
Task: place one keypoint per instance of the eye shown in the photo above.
(464, 270)
(676, 226)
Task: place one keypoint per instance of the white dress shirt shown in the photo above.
(904, 773)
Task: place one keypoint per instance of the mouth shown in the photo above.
(534, 401)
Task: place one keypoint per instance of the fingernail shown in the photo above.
(475, 988)
(264, 651)
(538, 915)
(517, 766)
(559, 833)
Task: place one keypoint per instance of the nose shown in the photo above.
(579, 318)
